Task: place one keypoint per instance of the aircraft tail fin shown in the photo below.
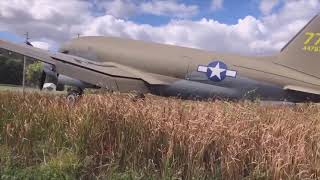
(302, 53)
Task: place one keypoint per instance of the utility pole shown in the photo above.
(24, 74)
(24, 66)
(27, 37)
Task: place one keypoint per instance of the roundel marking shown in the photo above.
(217, 71)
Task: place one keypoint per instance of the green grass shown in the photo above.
(28, 89)
(112, 137)
(7, 87)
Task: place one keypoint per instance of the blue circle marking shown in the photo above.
(217, 71)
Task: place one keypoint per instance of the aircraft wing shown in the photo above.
(302, 89)
(99, 74)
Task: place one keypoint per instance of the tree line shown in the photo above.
(11, 71)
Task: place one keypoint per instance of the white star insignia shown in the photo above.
(216, 71)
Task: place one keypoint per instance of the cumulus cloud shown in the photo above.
(56, 20)
(169, 8)
(216, 4)
(41, 45)
(250, 35)
(127, 8)
(266, 6)
(120, 8)
(247, 36)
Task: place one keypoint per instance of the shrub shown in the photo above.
(33, 73)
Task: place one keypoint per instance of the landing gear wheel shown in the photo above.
(138, 96)
(74, 95)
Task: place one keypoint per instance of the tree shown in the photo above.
(33, 73)
(10, 71)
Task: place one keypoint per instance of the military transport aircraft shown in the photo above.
(293, 75)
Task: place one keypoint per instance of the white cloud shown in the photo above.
(205, 34)
(127, 8)
(216, 4)
(169, 8)
(41, 45)
(54, 20)
(266, 6)
(250, 35)
(120, 8)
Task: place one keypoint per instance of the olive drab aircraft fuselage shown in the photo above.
(136, 66)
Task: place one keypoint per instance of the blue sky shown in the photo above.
(239, 26)
(10, 36)
(230, 13)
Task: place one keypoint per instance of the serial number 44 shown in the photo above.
(312, 42)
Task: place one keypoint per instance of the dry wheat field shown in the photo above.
(110, 136)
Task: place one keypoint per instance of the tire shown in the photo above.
(73, 96)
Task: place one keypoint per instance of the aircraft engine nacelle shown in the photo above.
(65, 80)
(49, 75)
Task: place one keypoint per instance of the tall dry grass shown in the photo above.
(110, 136)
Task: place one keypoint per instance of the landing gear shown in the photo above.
(138, 96)
(74, 94)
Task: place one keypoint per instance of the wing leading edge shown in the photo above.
(100, 74)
